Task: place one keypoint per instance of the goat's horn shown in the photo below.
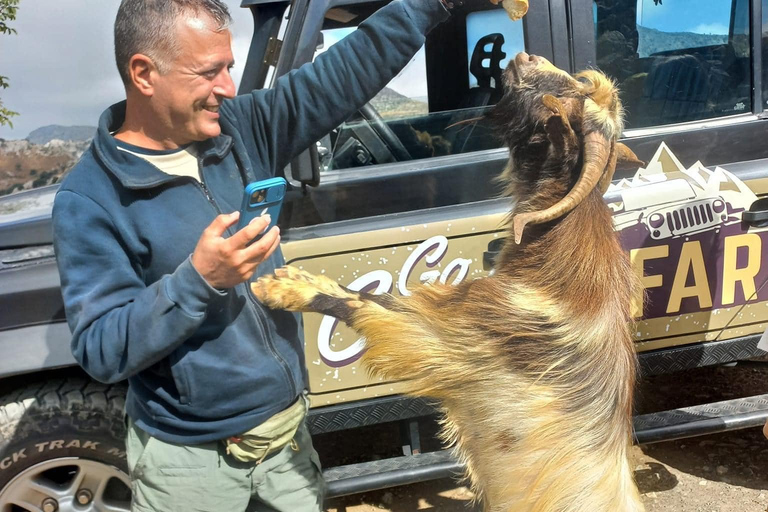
(627, 156)
(597, 151)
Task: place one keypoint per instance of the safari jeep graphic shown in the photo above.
(670, 201)
(682, 228)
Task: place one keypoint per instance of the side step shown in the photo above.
(649, 428)
(701, 419)
(381, 474)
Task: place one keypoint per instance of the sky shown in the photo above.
(61, 69)
(60, 65)
(699, 16)
(480, 24)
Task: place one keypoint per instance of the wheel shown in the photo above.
(62, 448)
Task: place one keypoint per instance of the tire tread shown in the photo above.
(73, 401)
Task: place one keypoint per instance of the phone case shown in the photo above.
(261, 198)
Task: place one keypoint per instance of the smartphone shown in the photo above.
(261, 198)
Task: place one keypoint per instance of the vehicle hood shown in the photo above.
(25, 218)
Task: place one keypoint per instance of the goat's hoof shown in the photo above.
(281, 290)
(294, 289)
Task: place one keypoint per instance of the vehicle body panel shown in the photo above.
(445, 215)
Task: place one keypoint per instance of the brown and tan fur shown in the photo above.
(534, 365)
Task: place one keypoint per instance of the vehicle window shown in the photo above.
(764, 38)
(483, 31)
(676, 61)
(60, 71)
(408, 120)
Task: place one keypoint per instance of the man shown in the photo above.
(154, 276)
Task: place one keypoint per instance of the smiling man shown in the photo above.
(181, 89)
(154, 274)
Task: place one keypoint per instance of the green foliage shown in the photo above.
(8, 9)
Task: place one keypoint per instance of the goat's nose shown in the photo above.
(522, 58)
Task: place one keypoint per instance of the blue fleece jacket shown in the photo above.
(204, 364)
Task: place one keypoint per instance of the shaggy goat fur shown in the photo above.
(534, 366)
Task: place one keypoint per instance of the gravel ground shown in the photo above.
(725, 472)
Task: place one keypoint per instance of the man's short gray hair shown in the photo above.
(149, 27)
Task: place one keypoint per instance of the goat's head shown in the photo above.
(562, 133)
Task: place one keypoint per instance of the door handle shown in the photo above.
(757, 215)
(489, 256)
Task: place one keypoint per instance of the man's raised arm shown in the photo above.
(307, 103)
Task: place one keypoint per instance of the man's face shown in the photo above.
(187, 97)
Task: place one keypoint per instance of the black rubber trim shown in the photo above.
(334, 418)
(649, 428)
(701, 419)
(394, 408)
(686, 357)
(381, 474)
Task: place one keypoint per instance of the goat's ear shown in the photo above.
(558, 127)
(602, 108)
(599, 88)
(626, 159)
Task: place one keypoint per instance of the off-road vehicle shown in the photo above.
(403, 192)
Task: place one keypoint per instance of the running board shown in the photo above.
(701, 419)
(381, 474)
(649, 428)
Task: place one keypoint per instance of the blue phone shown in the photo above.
(260, 198)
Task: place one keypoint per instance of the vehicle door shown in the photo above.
(406, 192)
(686, 72)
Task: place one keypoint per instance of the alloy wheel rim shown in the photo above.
(68, 484)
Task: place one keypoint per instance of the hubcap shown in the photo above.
(68, 485)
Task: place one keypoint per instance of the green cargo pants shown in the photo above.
(168, 477)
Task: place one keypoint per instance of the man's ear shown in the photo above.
(143, 72)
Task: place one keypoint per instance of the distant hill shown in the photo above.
(654, 41)
(46, 134)
(25, 165)
(391, 104)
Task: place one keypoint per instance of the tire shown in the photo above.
(62, 447)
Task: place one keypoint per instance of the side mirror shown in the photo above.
(305, 168)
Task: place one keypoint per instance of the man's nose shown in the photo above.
(225, 86)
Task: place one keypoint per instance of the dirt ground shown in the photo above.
(725, 472)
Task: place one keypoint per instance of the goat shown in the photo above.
(534, 365)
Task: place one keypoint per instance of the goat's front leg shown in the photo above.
(401, 344)
(297, 290)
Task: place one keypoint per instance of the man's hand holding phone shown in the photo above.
(226, 262)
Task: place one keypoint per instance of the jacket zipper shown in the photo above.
(264, 331)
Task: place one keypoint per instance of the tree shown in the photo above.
(8, 10)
